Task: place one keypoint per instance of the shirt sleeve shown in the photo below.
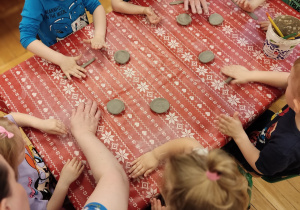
(272, 160)
(32, 16)
(11, 118)
(91, 5)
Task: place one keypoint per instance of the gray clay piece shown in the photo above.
(160, 105)
(215, 19)
(251, 14)
(184, 19)
(287, 24)
(122, 56)
(228, 80)
(206, 56)
(88, 63)
(115, 106)
(176, 2)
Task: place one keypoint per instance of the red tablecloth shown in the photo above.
(163, 63)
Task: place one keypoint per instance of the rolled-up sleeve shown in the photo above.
(32, 16)
(91, 5)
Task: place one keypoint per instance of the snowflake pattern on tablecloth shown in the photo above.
(217, 84)
(242, 42)
(69, 89)
(171, 118)
(57, 74)
(201, 70)
(173, 44)
(151, 193)
(227, 29)
(107, 137)
(233, 100)
(187, 56)
(143, 87)
(275, 67)
(187, 133)
(129, 72)
(122, 155)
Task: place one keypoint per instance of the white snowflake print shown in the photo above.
(160, 31)
(265, 5)
(250, 114)
(187, 133)
(242, 41)
(173, 44)
(107, 137)
(152, 193)
(122, 155)
(258, 54)
(275, 67)
(143, 87)
(68, 89)
(233, 100)
(79, 101)
(57, 74)
(129, 72)
(217, 84)
(90, 33)
(172, 118)
(45, 62)
(6, 103)
(201, 70)
(187, 56)
(227, 29)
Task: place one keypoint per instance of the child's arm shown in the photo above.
(242, 75)
(249, 6)
(51, 126)
(67, 64)
(232, 126)
(70, 172)
(112, 182)
(146, 163)
(99, 17)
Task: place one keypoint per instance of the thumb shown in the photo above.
(77, 57)
(236, 116)
(148, 172)
(87, 41)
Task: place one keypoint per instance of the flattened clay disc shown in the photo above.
(176, 2)
(251, 14)
(215, 19)
(184, 19)
(160, 105)
(115, 106)
(122, 56)
(206, 56)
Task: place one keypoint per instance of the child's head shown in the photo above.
(12, 194)
(293, 89)
(211, 181)
(12, 148)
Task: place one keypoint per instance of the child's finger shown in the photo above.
(87, 41)
(80, 170)
(134, 166)
(135, 161)
(148, 172)
(73, 161)
(76, 75)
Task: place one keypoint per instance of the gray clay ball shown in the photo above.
(122, 56)
(184, 19)
(215, 19)
(115, 106)
(176, 2)
(206, 56)
(160, 105)
(251, 14)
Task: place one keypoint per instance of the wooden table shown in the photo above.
(163, 64)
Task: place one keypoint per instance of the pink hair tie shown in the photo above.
(6, 133)
(213, 176)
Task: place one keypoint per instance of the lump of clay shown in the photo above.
(215, 19)
(160, 105)
(184, 19)
(122, 56)
(115, 106)
(206, 56)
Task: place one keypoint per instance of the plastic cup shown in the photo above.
(276, 47)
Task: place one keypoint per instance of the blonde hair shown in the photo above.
(186, 186)
(10, 147)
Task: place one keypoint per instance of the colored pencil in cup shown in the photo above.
(290, 36)
(274, 25)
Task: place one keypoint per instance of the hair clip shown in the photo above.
(6, 133)
(213, 176)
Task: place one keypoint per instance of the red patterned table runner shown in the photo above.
(163, 63)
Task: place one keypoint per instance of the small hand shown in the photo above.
(231, 126)
(245, 5)
(240, 74)
(70, 67)
(196, 6)
(85, 119)
(156, 205)
(144, 164)
(71, 171)
(96, 42)
(264, 24)
(152, 17)
(53, 126)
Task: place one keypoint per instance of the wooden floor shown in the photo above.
(282, 195)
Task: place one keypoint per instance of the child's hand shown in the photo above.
(144, 164)
(96, 42)
(71, 171)
(245, 5)
(69, 66)
(53, 126)
(240, 74)
(264, 24)
(196, 6)
(152, 17)
(231, 126)
(156, 205)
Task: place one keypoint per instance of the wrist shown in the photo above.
(242, 137)
(82, 134)
(62, 184)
